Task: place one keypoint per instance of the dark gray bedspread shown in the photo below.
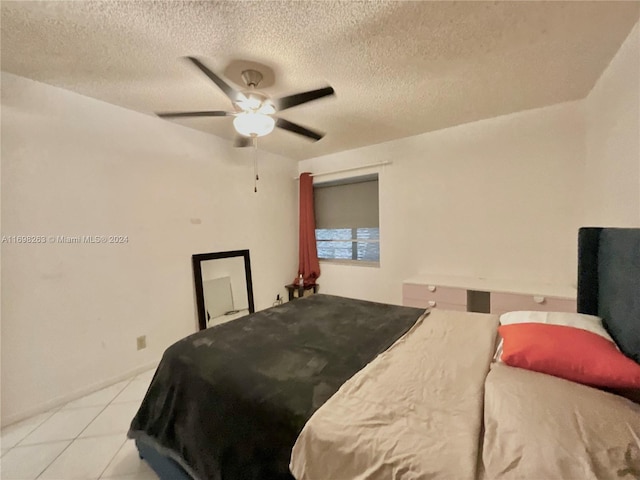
(229, 402)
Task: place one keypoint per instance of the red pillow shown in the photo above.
(570, 353)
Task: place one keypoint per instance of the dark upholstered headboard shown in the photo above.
(609, 282)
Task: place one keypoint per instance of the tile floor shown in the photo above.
(84, 440)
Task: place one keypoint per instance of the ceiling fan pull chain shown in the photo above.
(255, 164)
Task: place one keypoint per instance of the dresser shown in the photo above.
(483, 295)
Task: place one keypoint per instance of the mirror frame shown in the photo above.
(197, 259)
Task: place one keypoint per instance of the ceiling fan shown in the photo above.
(254, 110)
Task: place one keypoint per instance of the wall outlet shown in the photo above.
(278, 300)
(141, 342)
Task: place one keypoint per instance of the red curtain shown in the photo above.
(309, 266)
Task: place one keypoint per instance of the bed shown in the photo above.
(229, 401)
(426, 400)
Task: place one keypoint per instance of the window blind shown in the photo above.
(347, 205)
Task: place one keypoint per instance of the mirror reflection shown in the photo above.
(223, 286)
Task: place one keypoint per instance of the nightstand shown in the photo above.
(295, 291)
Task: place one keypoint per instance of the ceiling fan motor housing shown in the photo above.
(253, 101)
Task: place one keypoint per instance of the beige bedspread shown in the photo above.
(414, 412)
(542, 427)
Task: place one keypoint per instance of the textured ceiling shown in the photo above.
(398, 68)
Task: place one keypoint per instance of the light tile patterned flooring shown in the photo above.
(84, 440)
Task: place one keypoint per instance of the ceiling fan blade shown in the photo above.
(212, 113)
(241, 141)
(299, 129)
(299, 98)
(222, 85)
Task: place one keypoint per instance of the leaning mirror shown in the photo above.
(223, 286)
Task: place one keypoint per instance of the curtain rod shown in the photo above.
(359, 167)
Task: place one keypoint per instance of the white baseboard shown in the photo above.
(64, 399)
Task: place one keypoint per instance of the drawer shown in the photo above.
(509, 302)
(457, 296)
(414, 302)
(449, 306)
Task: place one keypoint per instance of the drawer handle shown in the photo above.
(432, 303)
(431, 288)
(538, 299)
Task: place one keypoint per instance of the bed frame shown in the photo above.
(608, 286)
(165, 467)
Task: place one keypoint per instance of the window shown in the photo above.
(347, 225)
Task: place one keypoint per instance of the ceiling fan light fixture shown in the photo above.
(251, 124)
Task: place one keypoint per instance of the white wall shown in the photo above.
(72, 165)
(613, 141)
(499, 198)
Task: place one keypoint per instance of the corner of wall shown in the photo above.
(612, 160)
